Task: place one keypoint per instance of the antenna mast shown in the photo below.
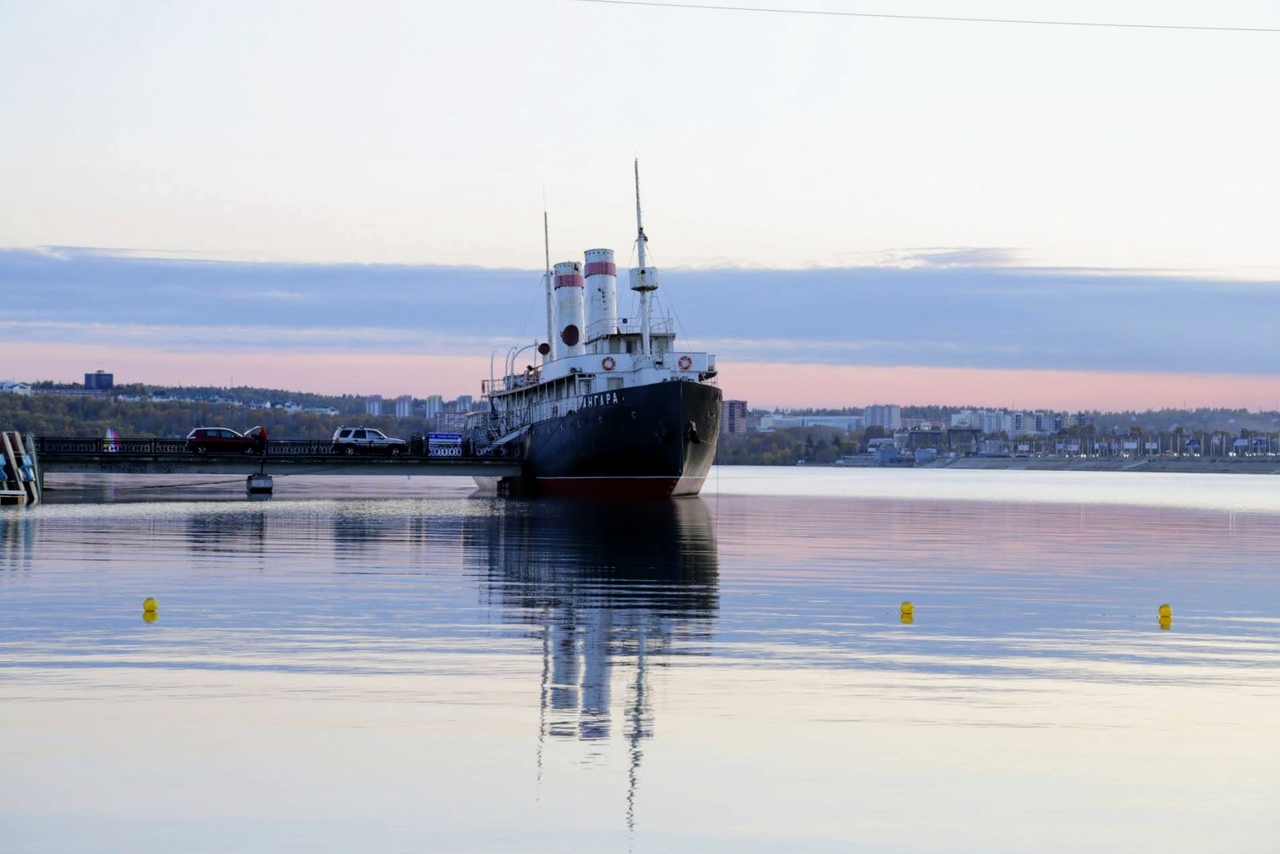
(546, 278)
(643, 280)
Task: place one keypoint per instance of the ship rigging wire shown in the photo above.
(941, 18)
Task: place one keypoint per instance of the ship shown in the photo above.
(606, 406)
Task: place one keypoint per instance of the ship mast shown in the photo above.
(546, 279)
(643, 280)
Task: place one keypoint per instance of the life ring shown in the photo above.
(608, 363)
(685, 363)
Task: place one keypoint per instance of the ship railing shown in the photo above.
(509, 382)
(658, 325)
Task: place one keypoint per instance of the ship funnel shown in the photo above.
(569, 307)
(601, 293)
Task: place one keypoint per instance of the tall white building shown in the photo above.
(404, 406)
(888, 416)
(373, 404)
(434, 405)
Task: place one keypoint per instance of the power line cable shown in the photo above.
(944, 18)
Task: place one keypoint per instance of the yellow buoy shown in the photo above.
(907, 619)
(149, 616)
(908, 608)
(149, 605)
(1166, 623)
(1166, 611)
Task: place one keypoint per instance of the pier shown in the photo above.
(281, 457)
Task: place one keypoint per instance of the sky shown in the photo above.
(848, 210)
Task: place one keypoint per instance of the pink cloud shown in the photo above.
(759, 383)
(768, 385)
(323, 373)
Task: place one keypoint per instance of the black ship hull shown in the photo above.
(651, 441)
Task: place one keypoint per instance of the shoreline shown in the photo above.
(1183, 465)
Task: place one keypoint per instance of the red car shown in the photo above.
(204, 440)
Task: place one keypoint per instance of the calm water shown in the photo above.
(416, 669)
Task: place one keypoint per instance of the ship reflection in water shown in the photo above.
(450, 673)
(611, 588)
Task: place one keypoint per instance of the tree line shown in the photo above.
(86, 417)
(789, 445)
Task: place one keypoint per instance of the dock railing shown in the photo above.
(173, 447)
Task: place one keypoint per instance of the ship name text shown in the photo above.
(602, 399)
